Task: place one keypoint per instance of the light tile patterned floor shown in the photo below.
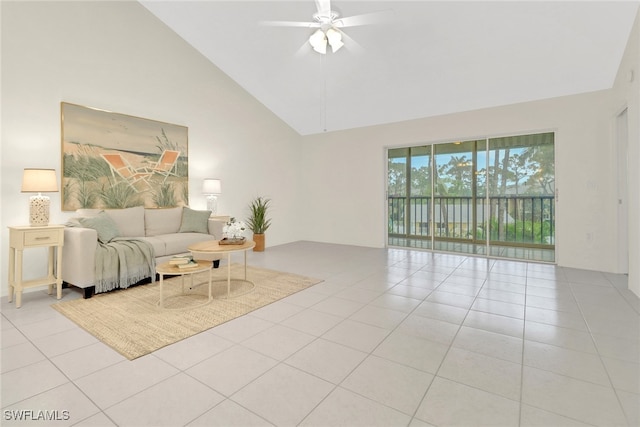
(392, 337)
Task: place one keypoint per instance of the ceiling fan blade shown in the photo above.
(304, 50)
(323, 6)
(290, 24)
(351, 45)
(364, 19)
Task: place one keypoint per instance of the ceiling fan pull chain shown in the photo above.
(324, 92)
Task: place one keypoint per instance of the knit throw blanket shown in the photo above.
(123, 262)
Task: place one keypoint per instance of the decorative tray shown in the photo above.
(232, 241)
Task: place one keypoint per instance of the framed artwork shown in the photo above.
(112, 160)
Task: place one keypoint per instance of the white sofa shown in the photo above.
(169, 231)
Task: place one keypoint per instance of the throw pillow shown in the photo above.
(194, 221)
(130, 221)
(159, 221)
(103, 224)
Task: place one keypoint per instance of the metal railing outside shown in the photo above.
(521, 220)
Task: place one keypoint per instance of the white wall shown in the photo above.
(329, 187)
(345, 171)
(346, 182)
(118, 57)
(626, 93)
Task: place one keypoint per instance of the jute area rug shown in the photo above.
(132, 322)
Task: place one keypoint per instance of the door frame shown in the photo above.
(621, 139)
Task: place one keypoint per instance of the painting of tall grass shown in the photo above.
(112, 160)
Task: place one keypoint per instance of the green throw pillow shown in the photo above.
(103, 224)
(194, 221)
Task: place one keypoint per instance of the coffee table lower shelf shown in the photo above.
(166, 269)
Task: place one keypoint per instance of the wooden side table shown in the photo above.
(25, 237)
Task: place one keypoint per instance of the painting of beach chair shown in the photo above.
(167, 165)
(121, 169)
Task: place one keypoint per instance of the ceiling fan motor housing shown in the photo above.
(326, 18)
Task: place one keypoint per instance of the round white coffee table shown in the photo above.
(166, 269)
(207, 249)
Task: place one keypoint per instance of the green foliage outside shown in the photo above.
(520, 232)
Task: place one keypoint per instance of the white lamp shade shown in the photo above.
(39, 181)
(211, 186)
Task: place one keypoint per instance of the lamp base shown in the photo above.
(39, 210)
(212, 204)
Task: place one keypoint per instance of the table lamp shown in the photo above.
(212, 188)
(39, 181)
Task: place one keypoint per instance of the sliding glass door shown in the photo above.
(522, 192)
(455, 191)
(490, 196)
(409, 194)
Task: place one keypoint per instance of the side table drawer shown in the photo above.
(41, 237)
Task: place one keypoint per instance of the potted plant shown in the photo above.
(258, 221)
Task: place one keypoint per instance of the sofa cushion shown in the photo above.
(162, 221)
(159, 246)
(177, 243)
(130, 221)
(194, 221)
(103, 224)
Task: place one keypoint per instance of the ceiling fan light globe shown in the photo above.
(318, 41)
(335, 39)
(333, 34)
(336, 46)
(321, 48)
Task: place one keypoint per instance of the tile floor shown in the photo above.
(392, 337)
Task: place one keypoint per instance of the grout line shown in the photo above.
(411, 272)
(435, 375)
(604, 367)
(524, 331)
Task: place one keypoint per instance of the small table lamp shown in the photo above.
(39, 181)
(212, 188)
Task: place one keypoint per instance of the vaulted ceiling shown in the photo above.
(426, 58)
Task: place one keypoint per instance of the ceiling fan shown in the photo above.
(329, 23)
